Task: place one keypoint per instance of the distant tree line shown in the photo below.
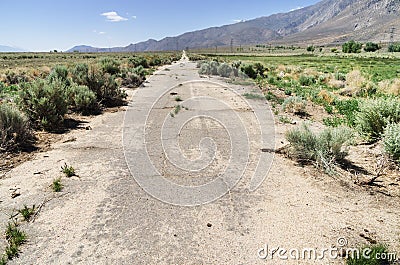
(355, 47)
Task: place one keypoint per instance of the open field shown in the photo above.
(378, 66)
(10, 61)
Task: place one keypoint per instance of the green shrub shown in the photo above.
(59, 72)
(391, 140)
(260, 69)
(109, 65)
(375, 115)
(348, 108)
(13, 78)
(80, 74)
(214, 67)
(324, 149)
(205, 69)
(310, 48)
(351, 47)
(44, 102)
(295, 105)
(155, 61)
(249, 71)
(307, 80)
(334, 121)
(104, 86)
(236, 67)
(138, 61)
(82, 99)
(273, 98)
(371, 47)
(224, 70)
(394, 47)
(14, 127)
(134, 77)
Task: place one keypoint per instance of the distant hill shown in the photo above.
(4, 48)
(327, 22)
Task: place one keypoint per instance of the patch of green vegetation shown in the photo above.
(27, 212)
(375, 115)
(377, 68)
(253, 96)
(285, 119)
(273, 98)
(57, 186)
(323, 149)
(68, 171)
(352, 47)
(14, 128)
(15, 238)
(391, 141)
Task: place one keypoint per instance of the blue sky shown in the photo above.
(44, 25)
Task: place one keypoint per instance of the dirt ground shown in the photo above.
(103, 216)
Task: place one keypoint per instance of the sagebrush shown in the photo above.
(44, 102)
(14, 127)
(324, 149)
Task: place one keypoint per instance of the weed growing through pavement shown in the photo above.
(27, 212)
(57, 186)
(69, 171)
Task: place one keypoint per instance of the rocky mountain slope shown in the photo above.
(329, 21)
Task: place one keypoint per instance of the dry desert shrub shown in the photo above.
(326, 96)
(355, 80)
(391, 87)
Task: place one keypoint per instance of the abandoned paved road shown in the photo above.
(161, 184)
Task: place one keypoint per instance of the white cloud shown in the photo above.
(102, 32)
(134, 17)
(113, 16)
(297, 8)
(238, 20)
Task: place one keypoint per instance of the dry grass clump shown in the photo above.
(391, 87)
(355, 80)
(326, 96)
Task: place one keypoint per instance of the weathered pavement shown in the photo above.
(105, 217)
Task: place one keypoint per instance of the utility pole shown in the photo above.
(392, 34)
(177, 44)
(231, 45)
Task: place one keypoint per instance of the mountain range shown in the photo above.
(4, 48)
(327, 22)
